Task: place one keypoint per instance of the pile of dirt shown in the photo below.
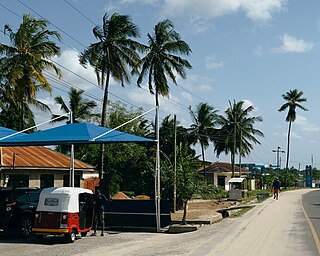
(201, 209)
(120, 195)
(141, 197)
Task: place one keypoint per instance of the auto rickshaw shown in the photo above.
(66, 211)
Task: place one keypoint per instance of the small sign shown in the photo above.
(308, 176)
(51, 201)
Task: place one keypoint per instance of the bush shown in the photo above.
(212, 192)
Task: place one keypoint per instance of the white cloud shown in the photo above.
(196, 83)
(305, 125)
(138, 1)
(292, 44)
(141, 97)
(74, 73)
(213, 63)
(256, 10)
(248, 103)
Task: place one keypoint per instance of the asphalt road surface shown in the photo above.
(288, 226)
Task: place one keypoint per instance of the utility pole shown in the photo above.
(278, 151)
(175, 166)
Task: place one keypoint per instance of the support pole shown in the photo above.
(157, 174)
(71, 176)
(175, 166)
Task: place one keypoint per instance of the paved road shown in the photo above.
(275, 227)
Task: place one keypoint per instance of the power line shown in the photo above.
(76, 40)
(86, 17)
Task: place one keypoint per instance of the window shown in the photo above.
(222, 181)
(18, 181)
(76, 181)
(46, 180)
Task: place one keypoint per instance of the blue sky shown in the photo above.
(251, 50)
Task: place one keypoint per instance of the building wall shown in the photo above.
(34, 176)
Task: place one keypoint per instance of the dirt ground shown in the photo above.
(201, 209)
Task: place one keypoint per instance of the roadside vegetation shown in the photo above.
(117, 54)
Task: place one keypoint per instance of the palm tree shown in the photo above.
(111, 55)
(160, 61)
(202, 129)
(237, 132)
(293, 99)
(23, 62)
(82, 109)
(167, 130)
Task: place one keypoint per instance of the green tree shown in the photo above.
(237, 131)
(25, 59)
(10, 117)
(202, 129)
(293, 99)
(111, 55)
(161, 60)
(119, 115)
(82, 109)
(166, 131)
(187, 178)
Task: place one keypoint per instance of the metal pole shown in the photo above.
(175, 166)
(240, 145)
(157, 176)
(71, 176)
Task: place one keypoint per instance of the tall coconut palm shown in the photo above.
(293, 100)
(23, 62)
(159, 63)
(82, 109)
(237, 131)
(111, 55)
(204, 120)
(161, 60)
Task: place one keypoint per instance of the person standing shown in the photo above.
(276, 188)
(100, 201)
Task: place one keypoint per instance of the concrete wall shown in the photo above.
(34, 176)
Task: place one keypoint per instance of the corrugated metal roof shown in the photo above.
(236, 180)
(37, 156)
(222, 167)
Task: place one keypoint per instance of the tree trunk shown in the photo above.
(104, 123)
(184, 217)
(288, 147)
(204, 164)
(232, 164)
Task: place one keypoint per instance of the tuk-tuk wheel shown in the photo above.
(83, 234)
(25, 226)
(71, 236)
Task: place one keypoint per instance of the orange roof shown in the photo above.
(222, 167)
(39, 157)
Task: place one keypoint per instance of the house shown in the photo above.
(37, 166)
(219, 173)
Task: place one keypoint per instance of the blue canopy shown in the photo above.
(4, 132)
(77, 133)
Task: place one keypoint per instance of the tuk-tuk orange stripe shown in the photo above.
(48, 230)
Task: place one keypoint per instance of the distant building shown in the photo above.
(219, 173)
(36, 166)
